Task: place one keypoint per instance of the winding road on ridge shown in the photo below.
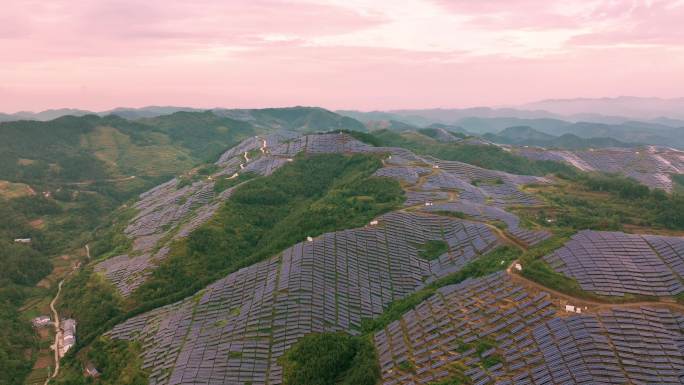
(263, 150)
(592, 306)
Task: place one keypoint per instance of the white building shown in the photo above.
(68, 336)
(22, 240)
(573, 309)
(41, 321)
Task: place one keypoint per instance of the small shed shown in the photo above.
(91, 370)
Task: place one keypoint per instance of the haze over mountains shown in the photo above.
(626, 106)
(582, 122)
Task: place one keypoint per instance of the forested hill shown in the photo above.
(73, 149)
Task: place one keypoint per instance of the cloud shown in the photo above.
(126, 27)
(640, 22)
(337, 53)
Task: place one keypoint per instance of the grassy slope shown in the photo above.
(605, 202)
(71, 149)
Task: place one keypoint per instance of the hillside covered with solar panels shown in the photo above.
(427, 257)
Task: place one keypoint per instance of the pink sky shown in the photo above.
(360, 54)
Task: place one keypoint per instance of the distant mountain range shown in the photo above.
(663, 131)
(625, 120)
(292, 118)
(528, 136)
(128, 113)
(626, 106)
(91, 147)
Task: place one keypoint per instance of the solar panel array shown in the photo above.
(471, 173)
(169, 212)
(323, 143)
(443, 135)
(617, 264)
(414, 198)
(493, 331)
(407, 174)
(483, 212)
(234, 331)
(652, 166)
(127, 273)
(480, 185)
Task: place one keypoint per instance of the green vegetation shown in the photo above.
(91, 298)
(306, 119)
(331, 359)
(680, 298)
(222, 184)
(608, 202)
(678, 182)
(455, 214)
(490, 157)
(491, 262)
(109, 238)
(92, 148)
(24, 265)
(119, 363)
(457, 375)
(406, 366)
(435, 133)
(360, 136)
(457, 369)
(432, 249)
(204, 134)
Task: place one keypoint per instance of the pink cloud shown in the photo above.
(128, 27)
(658, 22)
(526, 14)
(101, 54)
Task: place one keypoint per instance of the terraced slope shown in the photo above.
(652, 166)
(618, 264)
(173, 210)
(235, 330)
(491, 330)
